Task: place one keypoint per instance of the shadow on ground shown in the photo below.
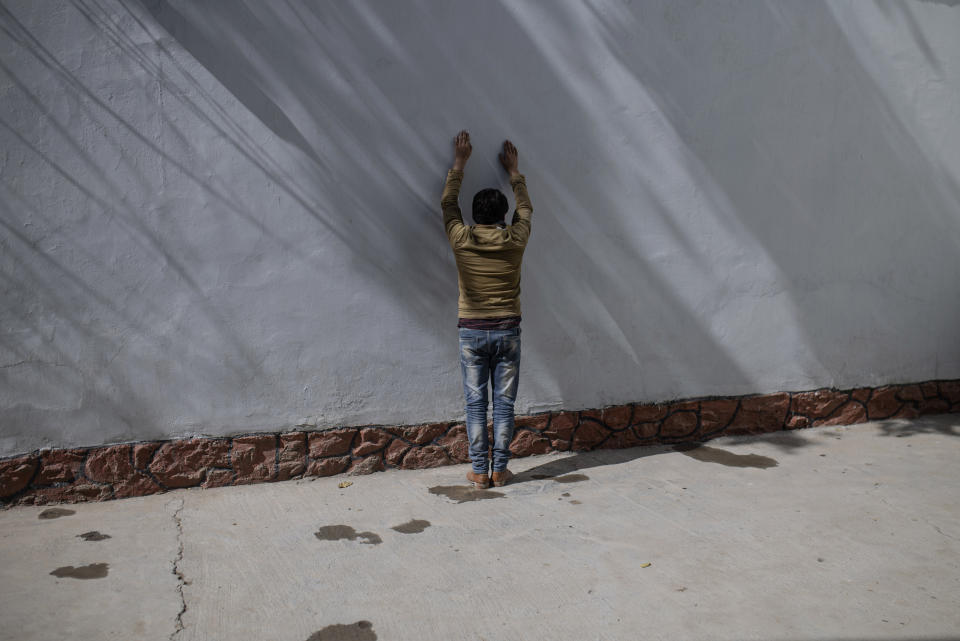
(705, 451)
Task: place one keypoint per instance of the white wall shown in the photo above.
(223, 217)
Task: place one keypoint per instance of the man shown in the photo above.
(488, 256)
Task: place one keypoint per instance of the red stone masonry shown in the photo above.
(137, 469)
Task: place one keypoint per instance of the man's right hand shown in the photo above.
(508, 158)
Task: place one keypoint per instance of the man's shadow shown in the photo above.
(569, 469)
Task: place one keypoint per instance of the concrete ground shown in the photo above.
(824, 533)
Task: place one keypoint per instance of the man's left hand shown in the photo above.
(461, 150)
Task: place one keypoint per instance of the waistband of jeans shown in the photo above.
(504, 322)
(469, 331)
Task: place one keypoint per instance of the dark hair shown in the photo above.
(489, 207)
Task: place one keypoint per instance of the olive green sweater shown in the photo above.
(488, 256)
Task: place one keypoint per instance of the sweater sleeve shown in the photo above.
(449, 204)
(521, 217)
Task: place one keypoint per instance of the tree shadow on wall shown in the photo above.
(323, 63)
(353, 59)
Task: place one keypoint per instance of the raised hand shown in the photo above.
(508, 158)
(461, 150)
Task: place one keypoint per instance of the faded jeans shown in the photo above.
(490, 356)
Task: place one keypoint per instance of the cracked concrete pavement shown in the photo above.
(826, 533)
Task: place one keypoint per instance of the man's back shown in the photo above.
(488, 256)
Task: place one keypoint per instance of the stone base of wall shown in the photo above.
(136, 469)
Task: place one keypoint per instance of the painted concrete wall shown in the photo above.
(223, 217)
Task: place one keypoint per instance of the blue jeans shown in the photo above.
(490, 355)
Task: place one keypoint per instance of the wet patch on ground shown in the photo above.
(413, 526)
(55, 513)
(708, 454)
(93, 536)
(359, 631)
(464, 493)
(92, 571)
(337, 532)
